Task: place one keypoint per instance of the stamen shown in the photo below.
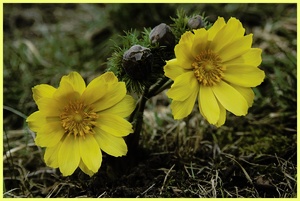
(78, 119)
(208, 68)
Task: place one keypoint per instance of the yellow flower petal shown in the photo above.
(114, 125)
(99, 87)
(236, 48)
(35, 121)
(95, 90)
(115, 93)
(181, 109)
(209, 104)
(245, 76)
(42, 90)
(173, 69)
(65, 122)
(183, 86)
(200, 41)
(230, 98)
(200, 109)
(229, 33)
(51, 155)
(246, 92)
(110, 77)
(90, 152)
(183, 50)
(50, 107)
(238, 30)
(217, 26)
(75, 80)
(187, 37)
(112, 145)
(122, 109)
(68, 155)
(222, 117)
(251, 57)
(222, 60)
(84, 168)
(49, 135)
(66, 93)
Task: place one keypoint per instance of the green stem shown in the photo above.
(167, 84)
(131, 117)
(137, 116)
(123, 164)
(157, 86)
(119, 165)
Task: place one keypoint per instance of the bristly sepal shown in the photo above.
(137, 62)
(140, 58)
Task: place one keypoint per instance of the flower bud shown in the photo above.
(163, 35)
(195, 22)
(137, 62)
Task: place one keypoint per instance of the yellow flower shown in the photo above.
(75, 121)
(217, 66)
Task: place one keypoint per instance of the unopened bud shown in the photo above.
(195, 22)
(163, 35)
(137, 62)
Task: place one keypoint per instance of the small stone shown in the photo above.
(137, 62)
(195, 22)
(162, 35)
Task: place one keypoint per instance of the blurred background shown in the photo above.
(43, 42)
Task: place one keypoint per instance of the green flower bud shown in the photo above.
(162, 35)
(137, 62)
(195, 22)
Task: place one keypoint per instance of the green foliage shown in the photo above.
(160, 53)
(179, 26)
(114, 63)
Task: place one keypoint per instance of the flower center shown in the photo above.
(78, 119)
(208, 68)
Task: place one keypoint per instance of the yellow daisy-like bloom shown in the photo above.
(75, 121)
(217, 66)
